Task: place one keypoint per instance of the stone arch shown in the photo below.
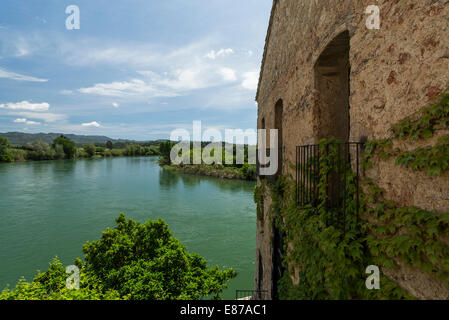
(332, 73)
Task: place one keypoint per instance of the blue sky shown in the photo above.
(135, 69)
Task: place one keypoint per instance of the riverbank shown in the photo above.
(64, 148)
(216, 170)
(20, 155)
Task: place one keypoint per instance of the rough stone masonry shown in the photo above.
(319, 53)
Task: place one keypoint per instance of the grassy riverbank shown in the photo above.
(246, 172)
(243, 171)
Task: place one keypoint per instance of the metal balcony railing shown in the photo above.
(340, 160)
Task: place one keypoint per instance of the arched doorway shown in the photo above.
(332, 71)
(332, 81)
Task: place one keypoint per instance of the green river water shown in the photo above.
(53, 207)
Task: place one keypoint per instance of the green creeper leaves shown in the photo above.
(434, 159)
(422, 124)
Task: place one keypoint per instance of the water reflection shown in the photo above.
(109, 162)
(170, 179)
(62, 168)
(41, 169)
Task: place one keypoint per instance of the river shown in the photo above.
(52, 208)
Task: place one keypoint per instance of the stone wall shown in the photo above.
(394, 72)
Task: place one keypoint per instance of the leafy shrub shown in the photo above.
(89, 148)
(68, 147)
(139, 261)
(5, 153)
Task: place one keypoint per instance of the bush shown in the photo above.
(249, 171)
(68, 147)
(164, 151)
(134, 149)
(5, 152)
(50, 285)
(89, 148)
(139, 261)
(117, 152)
(39, 150)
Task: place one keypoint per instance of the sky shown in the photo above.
(135, 69)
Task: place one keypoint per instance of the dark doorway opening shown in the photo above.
(332, 71)
(332, 76)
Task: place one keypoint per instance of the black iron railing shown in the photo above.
(328, 166)
(251, 295)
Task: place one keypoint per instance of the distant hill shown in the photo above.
(20, 138)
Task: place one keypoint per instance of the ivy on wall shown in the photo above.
(259, 195)
(433, 159)
(325, 260)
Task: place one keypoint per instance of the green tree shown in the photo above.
(39, 150)
(50, 285)
(67, 145)
(139, 261)
(134, 149)
(5, 153)
(90, 149)
(164, 150)
(109, 145)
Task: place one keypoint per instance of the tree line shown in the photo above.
(248, 170)
(64, 148)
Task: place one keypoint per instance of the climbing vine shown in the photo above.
(259, 194)
(327, 260)
(434, 159)
(424, 123)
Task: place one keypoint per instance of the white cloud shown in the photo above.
(250, 80)
(25, 105)
(135, 87)
(66, 92)
(220, 53)
(91, 124)
(47, 117)
(24, 120)
(228, 74)
(167, 72)
(115, 105)
(168, 84)
(19, 77)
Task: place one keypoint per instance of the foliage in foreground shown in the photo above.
(137, 261)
